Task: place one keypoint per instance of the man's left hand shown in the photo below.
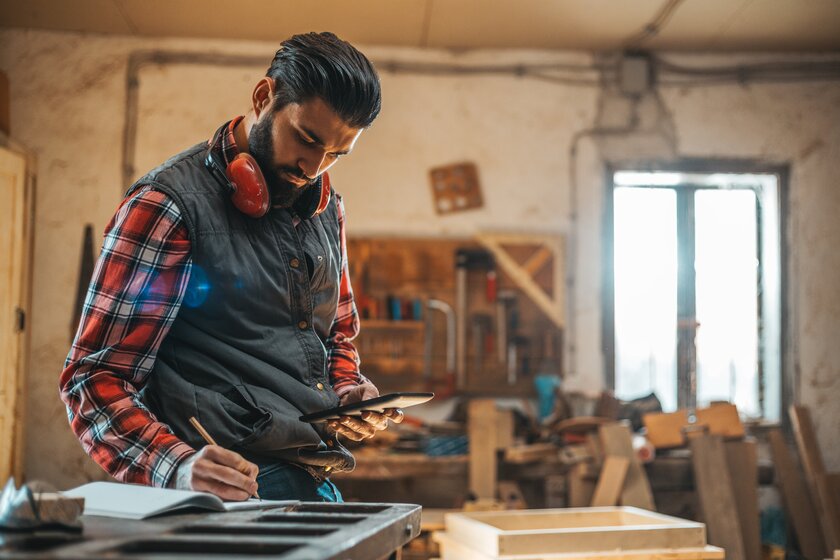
(365, 426)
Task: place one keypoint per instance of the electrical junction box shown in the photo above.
(635, 74)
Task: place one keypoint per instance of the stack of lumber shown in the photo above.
(725, 465)
(614, 533)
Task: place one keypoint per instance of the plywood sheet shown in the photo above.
(664, 430)
(722, 420)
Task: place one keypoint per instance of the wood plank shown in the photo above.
(616, 440)
(722, 420)
(812, 464)
(742, 460)
(799, 507)
(580, 485)
(536, 261)
(552, 305)
(580, 424)
(714, 489)
(611, 481)
(664, 430)
(481, 415)
(529, 453)
(504, 428)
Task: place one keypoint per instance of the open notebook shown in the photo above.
(132, 501)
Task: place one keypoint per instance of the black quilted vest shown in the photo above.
(246, 353)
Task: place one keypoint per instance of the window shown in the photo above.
(695, 294)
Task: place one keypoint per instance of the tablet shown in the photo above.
(376, 404)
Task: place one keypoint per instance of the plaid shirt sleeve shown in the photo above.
(137, 287)
(342, 355)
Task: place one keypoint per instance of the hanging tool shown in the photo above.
(482, 337)
(465, 260)
(446, 309)
(505, 301)
(511, 363)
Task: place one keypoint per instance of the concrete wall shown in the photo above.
(68, 101)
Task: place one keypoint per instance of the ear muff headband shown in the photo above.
(316, 199)
(249, 191)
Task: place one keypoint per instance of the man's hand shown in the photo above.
(359, 428)
(219, 471)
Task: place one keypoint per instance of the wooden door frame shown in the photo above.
(30, 185)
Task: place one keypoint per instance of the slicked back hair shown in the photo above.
(322, 65)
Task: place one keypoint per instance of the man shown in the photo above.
(222, 292)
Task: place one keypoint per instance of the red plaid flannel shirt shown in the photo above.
(123, 324)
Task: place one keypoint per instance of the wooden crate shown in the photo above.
(581, 531)
(454, 550)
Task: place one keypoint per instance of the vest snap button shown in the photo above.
(294, 263)
(320, 386)
(302, 325)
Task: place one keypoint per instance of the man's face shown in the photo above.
(297, 143)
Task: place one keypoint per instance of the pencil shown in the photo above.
(209, 439)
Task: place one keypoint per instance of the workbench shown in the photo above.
(304, 531)
(438, 482)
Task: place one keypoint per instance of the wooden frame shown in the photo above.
(550, 248)
(452, 549)
(582, 531)
(16, 236)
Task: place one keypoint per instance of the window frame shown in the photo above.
(707, 166)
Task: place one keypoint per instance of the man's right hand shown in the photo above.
(219, 471)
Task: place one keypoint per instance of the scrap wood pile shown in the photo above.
(812, 501)
(599, 458)
(725, 468)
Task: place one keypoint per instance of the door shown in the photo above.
(14, 268)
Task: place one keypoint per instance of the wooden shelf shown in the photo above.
(389, 324)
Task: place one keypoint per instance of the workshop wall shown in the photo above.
(68, 106)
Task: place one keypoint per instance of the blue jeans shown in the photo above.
(286, 481)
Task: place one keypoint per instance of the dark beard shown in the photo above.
(261, 147)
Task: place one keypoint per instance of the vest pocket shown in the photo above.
(228, 415)
(238, 421)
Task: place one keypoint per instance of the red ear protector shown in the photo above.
(249, 191)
